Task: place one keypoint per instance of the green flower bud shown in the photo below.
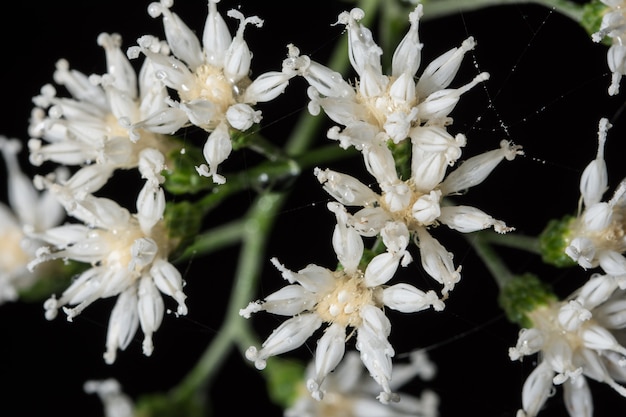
(523, 294)
(554, 239)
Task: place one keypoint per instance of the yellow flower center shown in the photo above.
(12, 257)
(212, 85)
(381, 107)
(342, 305)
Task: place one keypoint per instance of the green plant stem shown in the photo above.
(513, 240)
(217, 238)
(441, 8)
(494, 263)
(255, 233)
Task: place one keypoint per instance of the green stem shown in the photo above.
(214, 239)
(259, 144)
(501, 274)
(440, 8)
(255, 233)
(512, 240)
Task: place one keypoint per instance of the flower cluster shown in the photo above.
(211, 78)
(85, 129)
(596, 237)
(378, 113)
(124, 120)
(576, 338)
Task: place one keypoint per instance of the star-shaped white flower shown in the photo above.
(348, 391)
(108, 120)
(577, 338)
(28, 212)
(382, 107)
(597, 236)
(128, 256)
(417, 203)
(347, 298)
(211, 78)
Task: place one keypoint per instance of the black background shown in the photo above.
(547, 92)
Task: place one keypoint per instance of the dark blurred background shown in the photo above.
(547, 93)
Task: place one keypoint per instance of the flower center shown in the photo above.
(343, 304)
(411, 207)
(213, 87)
(12, 257)
(612, 237)
(335, 405)
(381, 107)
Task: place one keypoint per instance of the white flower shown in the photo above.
(345, 298)
(29, 212)
(211, 77)
(349, 392)
(115, 402)
(107, 121)
(382, 107)
(576, 338)
(613, 25)
(596, 236)
(128, 254)
(417, 203)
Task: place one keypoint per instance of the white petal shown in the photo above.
(238, 56)
(594, 179)
(348, 244)
(407, 56)
(151, 309)
(437, 261)
(537, 389)
(216, 37)
(123, 323)
(289, 301)
(474, 170)
(241, 116)
(169, 281)
(286, 337)
(346, 189)
(216, 149)
(266, 87)
(329, 352)
(408, 299)
(577, 397)
(381, 269)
